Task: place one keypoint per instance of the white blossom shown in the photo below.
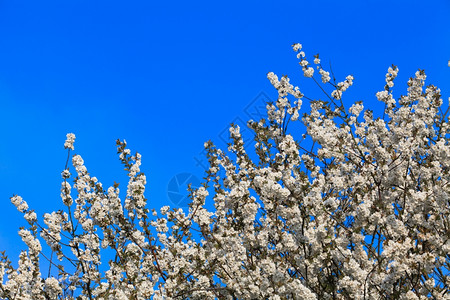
(70, 139)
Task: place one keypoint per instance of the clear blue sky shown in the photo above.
(169, 75)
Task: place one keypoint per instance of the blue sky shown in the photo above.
(168, 75)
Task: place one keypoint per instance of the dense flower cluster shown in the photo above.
(70, 139)
(363, 213)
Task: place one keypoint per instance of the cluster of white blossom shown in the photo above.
(307, 70)
(363, 214)
(19, 203)
(70, 139)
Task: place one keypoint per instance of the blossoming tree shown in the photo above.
(362, 214)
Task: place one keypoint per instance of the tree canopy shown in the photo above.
(353, 207)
